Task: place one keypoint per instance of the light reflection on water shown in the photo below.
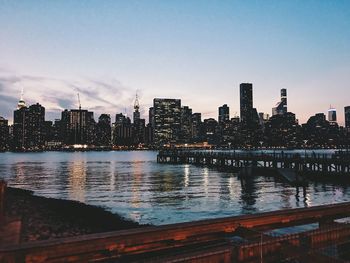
(77, 181)
(135, 186)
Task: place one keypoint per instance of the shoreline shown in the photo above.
(121, 149)
(44, 218)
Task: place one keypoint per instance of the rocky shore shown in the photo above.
(47, 218)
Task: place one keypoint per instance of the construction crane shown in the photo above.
(79, 101)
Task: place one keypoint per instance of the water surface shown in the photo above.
(135, 186)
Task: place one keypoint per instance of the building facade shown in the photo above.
(347, 116)
(246, 102)
(186, 124)
(224, 114)
(139, 124)
(28, 126)
(78, 127)
(197, 127)
(122, 131)
(332, 115)
(4, 134)
(36, 126)
(104, 130)
(167, 120)
(281, 106)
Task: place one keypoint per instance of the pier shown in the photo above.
(288, 165)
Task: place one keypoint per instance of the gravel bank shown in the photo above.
(47, 218)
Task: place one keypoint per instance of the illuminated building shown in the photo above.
(224, 114)
(167, 120)
(281, 106)
(4, 134)
(332, 114)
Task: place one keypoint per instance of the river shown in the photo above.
(134, 185)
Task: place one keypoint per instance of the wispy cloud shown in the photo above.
(100, 96)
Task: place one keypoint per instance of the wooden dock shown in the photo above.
(287, 164)
(291, 176)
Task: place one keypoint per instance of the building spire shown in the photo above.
(136, 104)
(21, 103)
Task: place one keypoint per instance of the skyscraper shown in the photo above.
(36, 125)
(167, 120)
(78, 127)
(103, 130)
(136, 114)
(28, 126)
(21, 125)
(211, 131)
(196, 127)
(263, 118)
(4, 134)
(139, 124)
(281, 106)
(332, 115)
(21, 128)
(246, 102)
(281, 130)
(151, 116)
(347, 117)
(224, 114)
(123, 131)
(186, 124)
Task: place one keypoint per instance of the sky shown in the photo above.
(197, 51)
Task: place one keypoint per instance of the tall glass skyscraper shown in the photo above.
(332, 115)
(281, 106)
(246, 101)
(167, 120)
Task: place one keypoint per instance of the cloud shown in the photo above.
(6, 103)
(61, 103)
(101, 96)
(10, 79)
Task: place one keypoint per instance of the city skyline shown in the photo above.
(128, 111)
(171, 123)
(197, 51)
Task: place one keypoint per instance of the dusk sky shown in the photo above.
(198, 51)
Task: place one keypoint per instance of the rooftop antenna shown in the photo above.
(79, 101)
(22, 93)
(125, 113)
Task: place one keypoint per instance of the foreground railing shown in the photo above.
(163, 241)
